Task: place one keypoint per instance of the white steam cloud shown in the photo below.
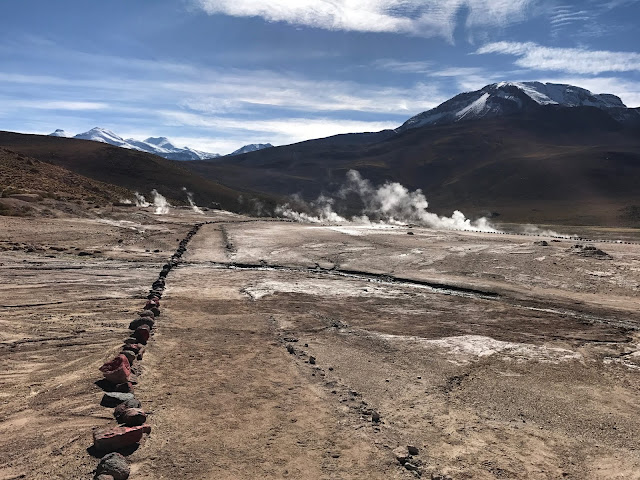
(140, 200)
(194, 207)
(160, 203)
(390, 203)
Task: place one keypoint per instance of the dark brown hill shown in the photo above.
(555, 165)
(133, 170)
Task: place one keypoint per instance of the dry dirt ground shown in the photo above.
(495, 356)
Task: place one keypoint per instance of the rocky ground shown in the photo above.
(304, 351)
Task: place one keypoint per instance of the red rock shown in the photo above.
(142, 333)
(115, 438)
(117, 370)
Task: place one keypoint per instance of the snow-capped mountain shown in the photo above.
(160, 146)
(59, 133)
(507, 98)
(253, 147)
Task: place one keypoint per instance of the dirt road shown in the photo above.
(522, 362)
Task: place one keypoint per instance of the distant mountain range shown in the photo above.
(160, 146)
(526, 152)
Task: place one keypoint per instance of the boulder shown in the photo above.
(131, 340)
(132, 417)
(156, 311)
(146, 313)
(113, 399)
(115, 465)
(117, 370)
(116, 438)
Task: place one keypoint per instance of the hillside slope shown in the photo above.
(133, 170)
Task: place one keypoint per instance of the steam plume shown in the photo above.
(390, 203)
(191, 202)
(140, 200)
(160, 203)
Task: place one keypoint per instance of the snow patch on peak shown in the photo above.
(475, 108)
(253, 147)
(160, 142)
(60, 133)
(160, 146)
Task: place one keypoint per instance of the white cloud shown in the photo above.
(277, 130)
(571, 60)
(430, 18)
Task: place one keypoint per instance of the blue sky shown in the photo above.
(218, 74)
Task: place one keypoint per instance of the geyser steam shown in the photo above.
(140, 200)
(160, 203)
(390, 203)
(191, 202)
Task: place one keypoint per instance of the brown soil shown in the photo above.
(534, 378)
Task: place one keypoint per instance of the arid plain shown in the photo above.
(288, 350)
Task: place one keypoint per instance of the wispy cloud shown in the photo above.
(566, 15)
(402, 67)
(53, 105)
(572, 60)
(433, 18)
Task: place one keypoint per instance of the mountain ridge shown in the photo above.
(160, 146)
(508, 98)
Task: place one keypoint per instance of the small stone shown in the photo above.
(291, 350)
(130, 356)
(156, 311)
(124, 387)
(146, 313)
(312, 360)
(130, 340)
(116, 438)
(117, 370)
(103, 476)
(401, 454)
(112, 399)
(142, 333)
(115, 465)
(413, 450)
(132, 417)
(375, 417)
(141, 321)
(411, 467)
(134, 347)
(118, 412)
